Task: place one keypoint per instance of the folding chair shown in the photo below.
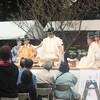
(23, 96)
(44, 91)
(47, 85)
(63, 87)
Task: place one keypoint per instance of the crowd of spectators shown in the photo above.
(14, 80)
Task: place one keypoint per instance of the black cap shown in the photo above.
(97, 34)
(90, 35)
(19, 40)
(50, 30)
(26, 37)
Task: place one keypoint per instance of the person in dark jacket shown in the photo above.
(8, 75)
(26, 85)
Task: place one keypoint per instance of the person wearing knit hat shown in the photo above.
(27, 50)
(52, 45)
(15, 49)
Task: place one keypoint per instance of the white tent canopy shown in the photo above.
(86, 25)
(9, 30)
(13, 30)
(33, 28)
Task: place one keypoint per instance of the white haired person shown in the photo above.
(45, 76)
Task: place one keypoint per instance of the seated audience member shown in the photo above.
(65, 77)
(22, 62)
(22, 66)
(26, 85)
(15, 50)
(8, 75)
(28, 66)
(27, 50)
(45, 76)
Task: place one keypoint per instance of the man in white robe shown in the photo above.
(90, 60)
(97, 48)
(51, 46)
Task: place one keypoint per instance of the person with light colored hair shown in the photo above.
(45, 76)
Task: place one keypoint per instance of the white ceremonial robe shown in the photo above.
(50, 47)
(92, 60)
(97, 55)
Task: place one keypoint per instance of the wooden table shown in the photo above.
(42, 60)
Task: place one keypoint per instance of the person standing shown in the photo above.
(51, 46)
(27, 50)
(15, 50)
(8, 75)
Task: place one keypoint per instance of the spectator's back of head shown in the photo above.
(22, 62)
(64, 67)
(28, 63)
(5, 53)
(48, 64)
(26, 77)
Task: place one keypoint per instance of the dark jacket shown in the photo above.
(28, 88)
(8, 80)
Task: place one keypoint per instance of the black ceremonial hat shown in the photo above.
(90, 35)
(26, 37)
(19, 40)
(50, 30)
(97, 34)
